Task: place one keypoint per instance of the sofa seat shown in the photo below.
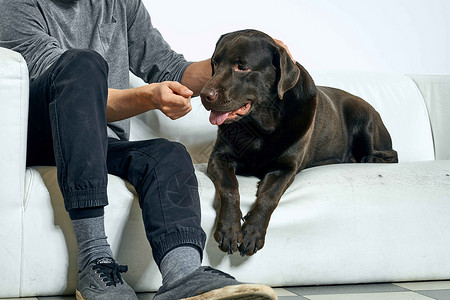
(341, 235)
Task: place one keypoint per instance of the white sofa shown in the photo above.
(336, 224)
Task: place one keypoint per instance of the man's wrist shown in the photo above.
(196, 75)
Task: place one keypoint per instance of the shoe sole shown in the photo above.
(241, 291)
(78, 295)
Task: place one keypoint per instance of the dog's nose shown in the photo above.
(209, 94)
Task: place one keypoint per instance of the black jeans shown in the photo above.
(67, 128)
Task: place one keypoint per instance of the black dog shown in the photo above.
(274, 122)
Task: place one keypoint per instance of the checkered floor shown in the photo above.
(438, 290)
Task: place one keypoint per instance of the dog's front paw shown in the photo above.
(229, 236)
(253, 239)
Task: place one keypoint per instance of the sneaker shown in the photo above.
(101, 280)
(208, 283)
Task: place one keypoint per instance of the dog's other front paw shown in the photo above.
(228, 237)
(253, 239)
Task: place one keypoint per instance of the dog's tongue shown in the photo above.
(218, 117)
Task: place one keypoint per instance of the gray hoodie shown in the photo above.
(120, 30)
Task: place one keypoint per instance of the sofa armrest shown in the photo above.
(14, 90)
(435, 91)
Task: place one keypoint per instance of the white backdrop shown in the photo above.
(403, 36)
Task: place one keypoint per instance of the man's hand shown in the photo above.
(281, 44)
(170, 97)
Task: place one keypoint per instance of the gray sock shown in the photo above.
(178, 263)
(91, 240)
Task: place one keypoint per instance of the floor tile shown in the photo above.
(145, 296)
(141, 296)
(32, 298)
(281, 292)
(346, 289)
(57, 298)
(371, 296)
(425, 286)
(436, 294)
(428, 290)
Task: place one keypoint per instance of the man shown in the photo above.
(79, 54)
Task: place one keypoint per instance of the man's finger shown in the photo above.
(281, 44)
(180, 89)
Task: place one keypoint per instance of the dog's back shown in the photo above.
(347, 130)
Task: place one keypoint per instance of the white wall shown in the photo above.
(404, 36)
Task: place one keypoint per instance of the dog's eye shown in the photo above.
(241, 68)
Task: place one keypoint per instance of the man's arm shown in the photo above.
(170, 97)
(196, 75)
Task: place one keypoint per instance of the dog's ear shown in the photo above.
(288, 72)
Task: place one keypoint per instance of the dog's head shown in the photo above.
(249, 71)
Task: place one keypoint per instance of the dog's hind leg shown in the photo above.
(373, 144)
(385, 156)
